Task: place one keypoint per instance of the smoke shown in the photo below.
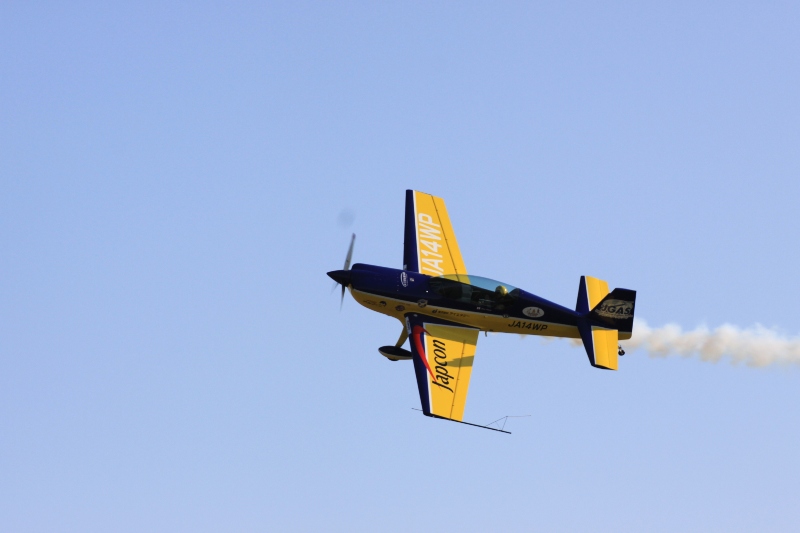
(757, 346)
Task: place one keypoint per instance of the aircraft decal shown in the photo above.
(533, 312)
(416, 333)
(527, 325)
(427, 237)
(615, 309)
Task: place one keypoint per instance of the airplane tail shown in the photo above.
(605, 319)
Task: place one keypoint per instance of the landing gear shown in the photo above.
(393, 353)
(621, 351)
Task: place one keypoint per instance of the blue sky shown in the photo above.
(175, 180)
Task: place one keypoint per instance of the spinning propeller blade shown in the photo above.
(349, 253)
(346, 267)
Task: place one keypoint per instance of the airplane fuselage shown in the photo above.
(395, 292)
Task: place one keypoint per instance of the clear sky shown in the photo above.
(176, 179)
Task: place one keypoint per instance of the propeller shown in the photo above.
(349, 253)
(347, 261)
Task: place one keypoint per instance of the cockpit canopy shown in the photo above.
(483, 292)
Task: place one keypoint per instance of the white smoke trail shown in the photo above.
(756, 346)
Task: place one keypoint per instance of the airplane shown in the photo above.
(443, 309)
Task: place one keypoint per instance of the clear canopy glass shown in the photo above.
(483, 292)
(478, 281)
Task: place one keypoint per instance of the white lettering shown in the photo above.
(434, 246)
(429, 233)
(426, 219)
(433, 265)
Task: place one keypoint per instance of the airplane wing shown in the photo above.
(443, 353)
(430, 244)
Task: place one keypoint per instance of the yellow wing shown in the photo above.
(443, 355)
(430, 243)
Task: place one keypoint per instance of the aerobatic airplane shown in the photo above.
(443, 309)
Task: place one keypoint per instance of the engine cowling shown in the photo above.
(393, 353)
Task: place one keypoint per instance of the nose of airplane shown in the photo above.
(341, 276)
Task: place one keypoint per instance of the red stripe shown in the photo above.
(416, 333)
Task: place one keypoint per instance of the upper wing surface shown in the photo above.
(430, 244)
(443, 355)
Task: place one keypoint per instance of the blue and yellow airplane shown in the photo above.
(443, 309)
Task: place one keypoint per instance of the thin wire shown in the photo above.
(505, 419)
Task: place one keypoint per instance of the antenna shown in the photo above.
(504, 419)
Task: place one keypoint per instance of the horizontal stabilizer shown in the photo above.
(601, 345)
(590, 293)
(602, 318)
